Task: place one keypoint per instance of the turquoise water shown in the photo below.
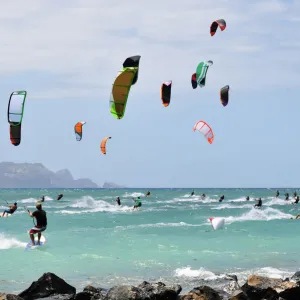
(90, 240)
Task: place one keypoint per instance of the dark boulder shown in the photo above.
(49, 286)
(202, 293)
(259, 287)
(91, 293)
(159, 291)
(126, 292)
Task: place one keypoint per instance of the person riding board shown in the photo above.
(203, 196)
(43, 198)
(259, 204)
(295, 194)
(296, 200)
(118, 201)
(12, 209)
(138, 202)
(192, 193)
(148, 194)
(287, 196)
(221, 198)
(41, 220)
(247, 198)
(277, 194)
(59, 196)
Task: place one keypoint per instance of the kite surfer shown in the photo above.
(295, 194)
(138, 202)
(43, 198)
(41, 219)
(296, 200)
(192, 193)
(247, 198)
(221, 198)
(118, 200)
(277, 194)
(59, 196)
(259, 204)
(11, 210)
(203, 196)
(287, 196)
(148, 194)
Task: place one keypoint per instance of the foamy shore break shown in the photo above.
(50, 286)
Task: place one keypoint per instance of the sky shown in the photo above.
(66, 55)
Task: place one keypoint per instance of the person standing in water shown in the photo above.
(138, 202)
(41, 220)
(118, 201)
(221, 198)
(259, 204)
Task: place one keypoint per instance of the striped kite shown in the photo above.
(78, 130)
(205, 129)
(15, 113)
(214, 26)
(201, 72)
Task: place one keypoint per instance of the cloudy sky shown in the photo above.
(66, 54)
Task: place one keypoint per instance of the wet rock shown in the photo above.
(296, 277)
(126, 292)
(202, 293)
(91, 293)
(49, 286)
(9, 297)
(159, 291)
(259, 287)
(238, 295)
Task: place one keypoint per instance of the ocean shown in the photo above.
(91, 240)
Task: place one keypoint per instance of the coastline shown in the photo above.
(51, 286)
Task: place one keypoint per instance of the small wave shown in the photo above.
(133, 195)
(155, 225)
(200, 273)
(229, 206)
(8, 243)
(259, 215)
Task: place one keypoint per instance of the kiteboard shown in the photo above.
(5, 216)
(42, 243)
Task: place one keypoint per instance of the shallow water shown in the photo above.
(90, 240)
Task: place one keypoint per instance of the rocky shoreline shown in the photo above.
(51, 287)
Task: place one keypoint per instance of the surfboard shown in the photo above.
(42, 243)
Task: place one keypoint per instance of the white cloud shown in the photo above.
(82, 44)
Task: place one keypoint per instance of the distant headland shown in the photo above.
(36, 175)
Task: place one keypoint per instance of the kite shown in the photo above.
(133, 62)
(15, 115)
(120, 91)
(205, 129)
(78, 130)
(217, 223)
(103, 144)
(214, 26)
(165, 93)
(201, 71)
(224, 95)
(194, 81)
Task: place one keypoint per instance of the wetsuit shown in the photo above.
(297, 200)
(41, 221)
(11, 210)
(247, 198)
(148, 194)
(259, 204)
(277, 194)
(43, 199)
(138, 204)
(118, 201)
(287, 196)
(59, 196)
(203, 196)
(221, 198)
(192, 194)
